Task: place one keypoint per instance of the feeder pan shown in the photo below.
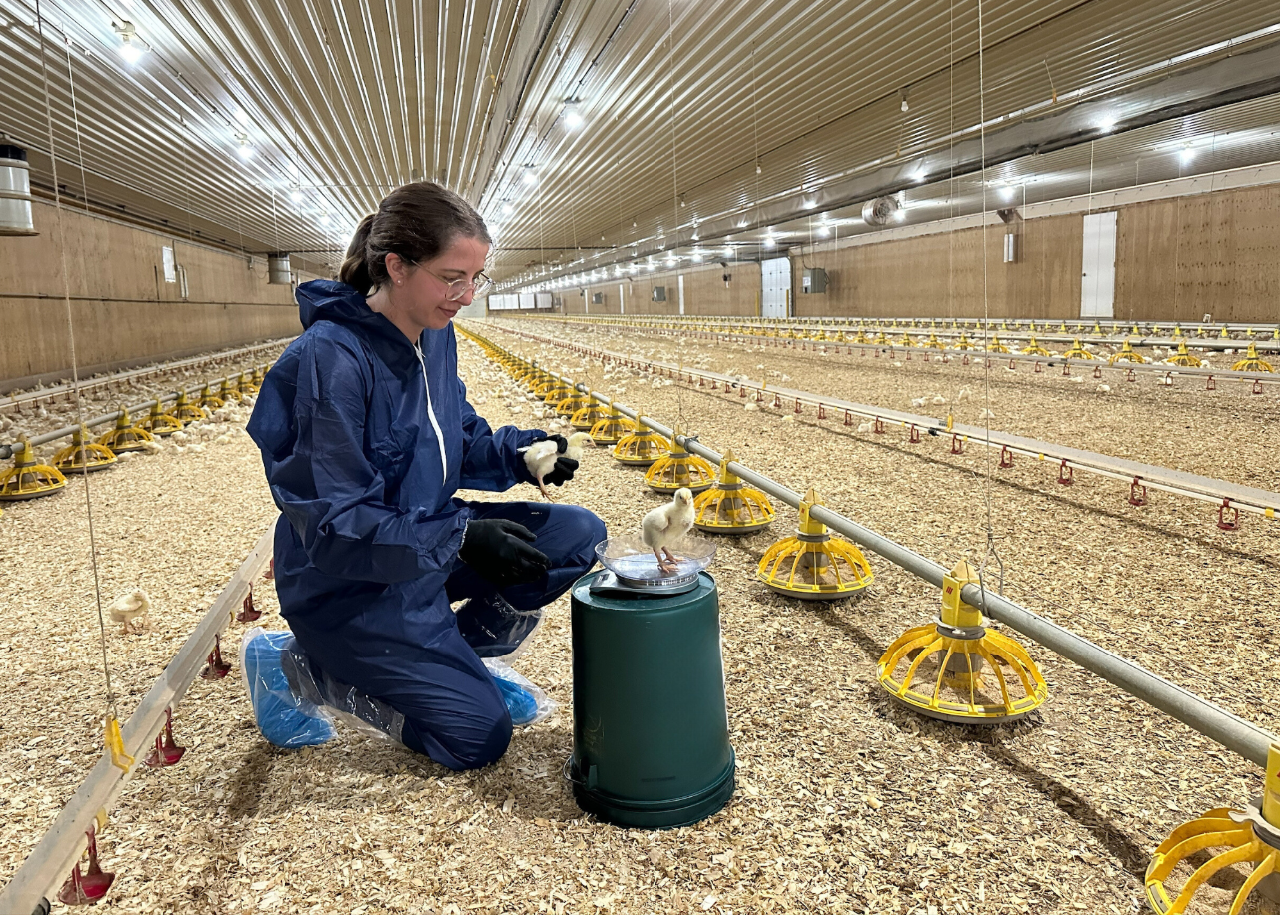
(571, 404)
(27, 479)
(1252, 362)
(1250, 835)
(612, 428)
(1126, 354)
(1035, 349)
(731, 506)
(556, 393)
(126, 436)
(678, 469)
(1183, 357)
(933, 342)
(995, 346)
(250, 384)
(630, 565)
(1077, 351)
(543, 386)
(160, 423)
(907, 341)
(952, 664)
(83, 455)
(227, 392)
(585, 419)
(209, 400)
(881, 338)
(639, 448)
(187, 412)
(813, 565)
(964, 342)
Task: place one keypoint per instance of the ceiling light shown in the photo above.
(824, 231)
(728, 250)
(130, 50)
(325, 220)
(920, 176)
(1107, 124)
(572, 116)
(1187, 154)
(904, 107)
(529, 176)
(697, 257)
(769, 242)
(1007, 192)
(295, 195)
(693, 237)
(507, 209)
(809, 203)
(246, 148)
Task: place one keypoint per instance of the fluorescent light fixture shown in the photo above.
(572, 116)
(529, 176)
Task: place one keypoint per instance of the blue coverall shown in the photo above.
(363, 459)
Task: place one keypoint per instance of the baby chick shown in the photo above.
(665, 525)
(129, 607)
(540, 457)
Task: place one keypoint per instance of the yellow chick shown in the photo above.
(129, 607)
(665, 525)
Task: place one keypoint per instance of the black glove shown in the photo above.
(500, 552)
(565, 466)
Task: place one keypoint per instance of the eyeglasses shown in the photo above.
(458, 288)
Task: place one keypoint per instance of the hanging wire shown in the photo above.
(112, 711)
(991, 552)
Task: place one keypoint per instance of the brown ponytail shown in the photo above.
(417, 222)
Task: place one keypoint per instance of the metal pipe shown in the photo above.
(1201, 715)
(57, 852)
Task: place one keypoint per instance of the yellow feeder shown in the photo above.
(159, 422)
(126, 436)
(27, 479)
(881, 338)
(226, 392)
(585, 419)
(678, 469)
(1177, 330)
(209, 400)
(813, 565)
(611, 427)
(251, 383)
(567, 406)
(1035, 349)
(1077, 351)
(1183, 357)
(964, 342)
(1251, 362)
(558, 392)
(1251, 835)
(995, 346)
(907, 341)
(933, 342)
(731, 506)
(952, 658)
(187, 412)
(1126, 354)
(639, 448)
(83, 455)
(861, 338)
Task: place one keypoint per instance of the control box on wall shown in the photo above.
(659, 293)
(597, 298)
(813, 280)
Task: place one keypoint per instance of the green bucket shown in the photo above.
(650, 731)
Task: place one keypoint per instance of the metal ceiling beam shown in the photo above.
(531, 40)
(1237, 78)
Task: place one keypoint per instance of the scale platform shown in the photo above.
(632, 569)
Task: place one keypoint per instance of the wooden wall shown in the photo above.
(1215, 254)
(705, 292)
(122, 310)
(942, 275)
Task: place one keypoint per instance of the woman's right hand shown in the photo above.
(501, 552)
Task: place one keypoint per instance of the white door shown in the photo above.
(1098, 271)
(775, 287)
(680, 291)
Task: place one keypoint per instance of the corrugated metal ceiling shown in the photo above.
(335, 103)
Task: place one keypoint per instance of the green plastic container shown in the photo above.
(650, 731)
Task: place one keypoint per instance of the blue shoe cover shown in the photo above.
(285, 719)
(522, 707)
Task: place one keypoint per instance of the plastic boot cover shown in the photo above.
(494, 628)
(363, 712)
(526, 703)
(284, 718)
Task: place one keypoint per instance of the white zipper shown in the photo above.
(431, 415)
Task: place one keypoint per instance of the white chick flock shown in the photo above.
(665, 525)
